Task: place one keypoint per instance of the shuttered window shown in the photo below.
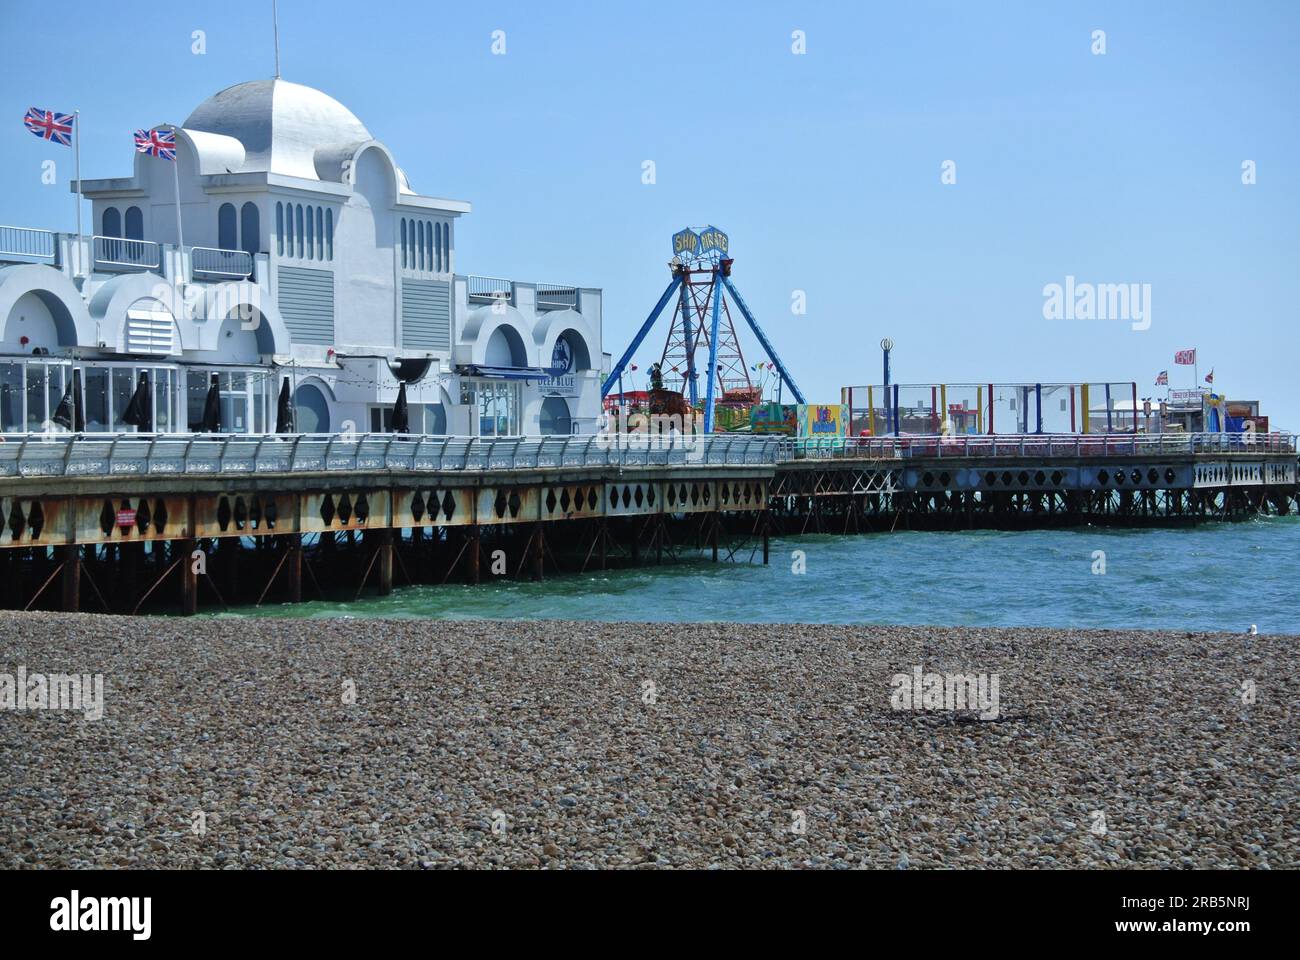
(426, 314)
(150, 331)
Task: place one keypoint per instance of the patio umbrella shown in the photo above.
(212, 408)
(71, 413)
(401, 416)
(139, 412)
(284, 418)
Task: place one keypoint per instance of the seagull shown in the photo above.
(1253, 630)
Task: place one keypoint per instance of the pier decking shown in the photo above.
(245, 518)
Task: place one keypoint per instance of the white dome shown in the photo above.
(281, 125)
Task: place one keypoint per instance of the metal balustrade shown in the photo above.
(552, 296)
(215, 262)
(118, 253)
(27, 245)
(140, 454)
(1036, 445)
(489, 289)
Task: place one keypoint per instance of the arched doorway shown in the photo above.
(312, 410)
(555, 419)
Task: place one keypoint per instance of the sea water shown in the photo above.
(1220, 576)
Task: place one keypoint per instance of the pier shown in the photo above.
(133, 523)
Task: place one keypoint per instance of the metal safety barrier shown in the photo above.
(214, 262)
(142, 454)
(134, 454)
(1035, 445)
(119, 253)
(27, 245)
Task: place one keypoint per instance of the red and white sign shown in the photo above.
(126, 518)
(1185, 357)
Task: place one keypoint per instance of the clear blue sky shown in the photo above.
(824, 168)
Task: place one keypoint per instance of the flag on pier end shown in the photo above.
(1185, 358)
(1209, 377)
(156, 143)
(50, 125)
(1162, 378)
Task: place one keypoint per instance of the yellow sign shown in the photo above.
(711, 238)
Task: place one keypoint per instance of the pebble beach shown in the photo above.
(337, 743)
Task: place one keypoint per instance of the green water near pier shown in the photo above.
(1212, 577)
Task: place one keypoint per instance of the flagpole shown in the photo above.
(275, 25)
(76, 143)
(176, 182)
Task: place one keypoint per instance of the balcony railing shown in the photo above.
(116, 254)
(553, 297)
(26, 245)
(214, 263)
(490, 290)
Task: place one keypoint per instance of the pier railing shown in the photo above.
(1035, 445)
(135, 454)
(138, 454)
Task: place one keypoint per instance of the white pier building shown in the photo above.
(307, 256)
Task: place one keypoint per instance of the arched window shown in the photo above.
(403, 243)
(279, 227)
(320, 233)
(311, 410)
(300, 234)
(446, 247)
(329, 234)
(429, 231)
(311, 235)
(112, 222)
(250, 227)
(227, 228)
(134, 223)
(437, 236)
(435, 419)
(554, 417)
(288, 228)
(424, 234)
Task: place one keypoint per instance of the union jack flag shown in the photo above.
(49, 125)
(1162, 378)
(156, 143)
(1185, 357)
